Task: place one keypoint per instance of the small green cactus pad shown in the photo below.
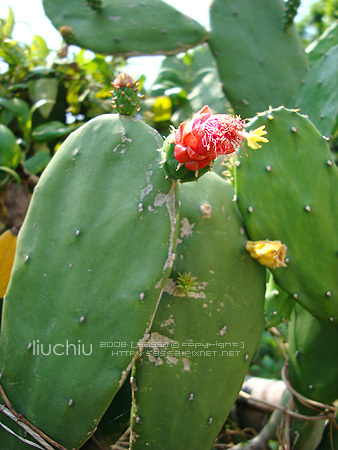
(95, 5)
(319, 48)
(290, 11)
(206, 329)
(278, 304)
(126, 99)
(287, 191)
(127, 27)
(318, 94)
(92, 256)
(313, 356)
(259, 63)
(173, 168)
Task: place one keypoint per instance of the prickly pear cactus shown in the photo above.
(254, 52)
(206, 329)
(278, 304)
(94, 251)
(288, 191)
(313, 354)
(318, 94)
(319, 48)
(126, 99)
(128, 27)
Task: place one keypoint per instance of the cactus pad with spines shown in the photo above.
(93, 253)
(128, 27)
(318, 94)
(259, 63)
(288, 191)
(313, 355)
(206, 329)
(319, 48)
(278, 304)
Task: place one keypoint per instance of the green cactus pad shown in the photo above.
(287, 190)
(127, 27)
(94, 251)
(278, 304)
(313, 356)
(259, 63)
(319, 48)
(318, 95)
(206, 330)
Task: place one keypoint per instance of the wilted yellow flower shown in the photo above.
(269, 253)
(7, 252)
(256, 136)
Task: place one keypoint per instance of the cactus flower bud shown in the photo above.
(198, 142)
(269, 253)
(126, 99)
(205, 136)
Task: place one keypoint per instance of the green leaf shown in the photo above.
(37, 163)
(10, 151)
(18, 108)
(7, 29)
(44, 88)
(39, 48)
(52, 130)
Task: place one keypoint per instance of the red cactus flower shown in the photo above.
(206, 136)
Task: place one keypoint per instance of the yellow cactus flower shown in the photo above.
(256, 136)
(269, 253)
